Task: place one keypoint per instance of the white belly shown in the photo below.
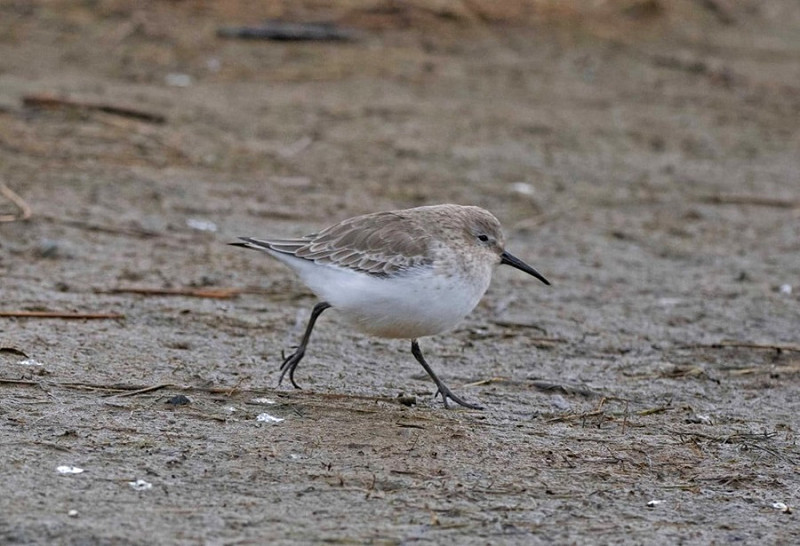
(419, 304)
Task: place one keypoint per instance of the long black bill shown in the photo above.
(513, 261)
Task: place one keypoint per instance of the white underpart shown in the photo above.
(411, 305)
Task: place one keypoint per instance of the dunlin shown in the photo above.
(398, 274)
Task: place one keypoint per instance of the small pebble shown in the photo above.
(783, 507)
(141, 485)
(407, 400)
(52, 249)
(179, 400)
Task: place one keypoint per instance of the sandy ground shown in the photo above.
(643, 156)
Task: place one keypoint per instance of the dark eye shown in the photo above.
(483, 238)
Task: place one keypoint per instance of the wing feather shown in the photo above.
(379, 244)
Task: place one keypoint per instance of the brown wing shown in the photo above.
(380, 244)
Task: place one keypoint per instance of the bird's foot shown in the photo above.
(290, 364)
(447, 393)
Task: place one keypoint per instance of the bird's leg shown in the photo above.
(290, 363)
(441, 387)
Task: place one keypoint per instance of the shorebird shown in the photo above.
(401, 274)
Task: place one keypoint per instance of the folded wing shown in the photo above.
(381, 244)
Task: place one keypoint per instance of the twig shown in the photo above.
(234, 388)
(283, 31)
(19, 202)
(402, 400)
(574, 416)
(131, 232)
(144, 390)
(100, 387)
(410, 425)
(60, 315)
(216, 293)
(133, 390)
(38, 444)
(13, 351)
(625, 419)
(756, 200)
(488, 381)
(742, 438)
(762, 346)
(749, 345)
(52, 102)
(601, 404)
(516, 324)
(727, 479)
(549, 386)
(653, 411)
(678, 372)
(776, 370)
(771, 451)
(736, 437)
(4, 381)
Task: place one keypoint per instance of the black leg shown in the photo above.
(290, 363)
(441, 387)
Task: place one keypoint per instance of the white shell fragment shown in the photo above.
(262, 401)
(30, 362)
(201, 225)
(64, 469)
(783, 507)
(267, 418)
(141, 485)
(175, 79)
(522, 188)
(73, 513)
(654, 503)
